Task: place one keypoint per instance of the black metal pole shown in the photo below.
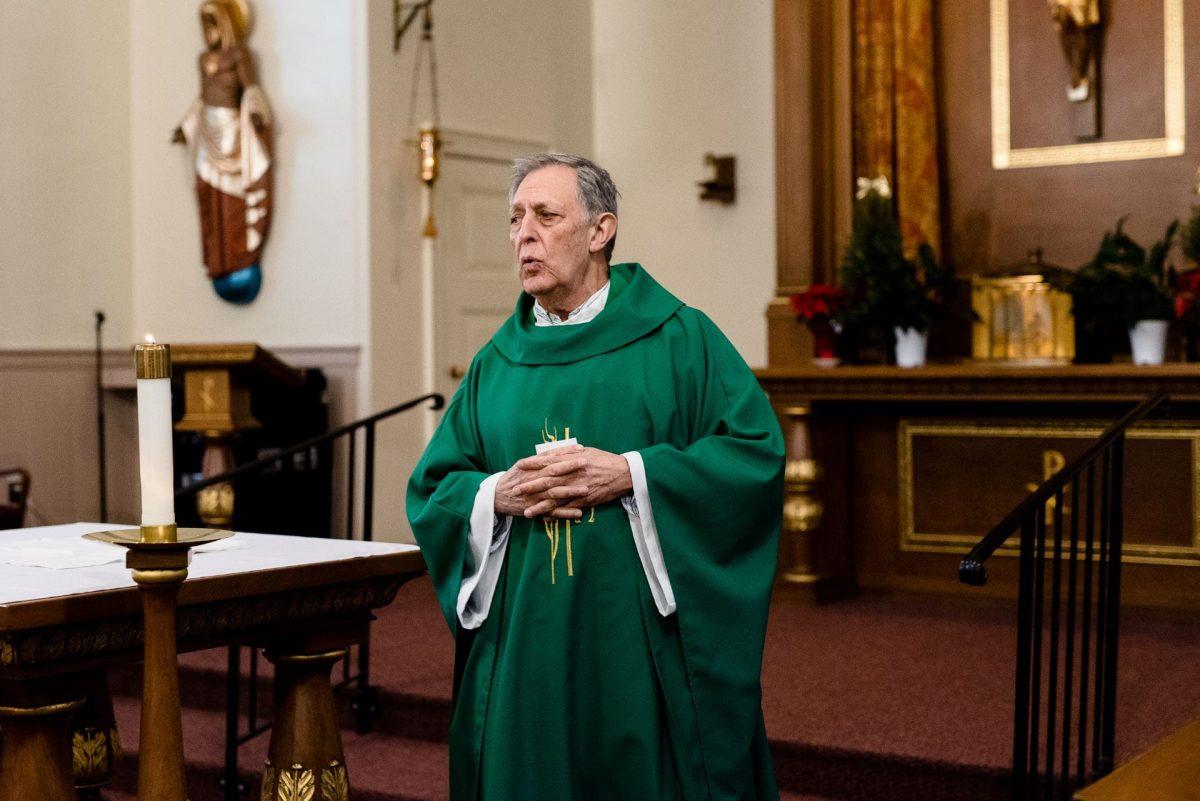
(1085, 626)
(1039, 614)
(1102, 610)
(1068, 681)
(367, 697)
(1020, 776)
(1055, 613)
(1115, 539)
(102, 472)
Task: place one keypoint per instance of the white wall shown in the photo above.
(312, 266)
(516, 69)
(97, 206)
(673, 81)
(64, 172)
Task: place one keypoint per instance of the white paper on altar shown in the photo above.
(252, 552)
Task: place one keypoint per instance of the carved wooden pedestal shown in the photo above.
(36, 752)
(160, 750)
(94, 743)
(305, 759)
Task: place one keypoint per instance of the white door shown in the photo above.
(475, 279)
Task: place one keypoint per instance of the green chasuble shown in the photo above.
(575, 686)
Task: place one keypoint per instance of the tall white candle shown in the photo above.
(154, 433)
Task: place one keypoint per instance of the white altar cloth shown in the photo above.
(258, 552)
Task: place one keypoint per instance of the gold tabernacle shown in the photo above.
(1021, 319)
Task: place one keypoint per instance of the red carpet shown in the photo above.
(877, 698)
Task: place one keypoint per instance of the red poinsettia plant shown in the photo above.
(821, 306)
(819, 300)
(1187, 298)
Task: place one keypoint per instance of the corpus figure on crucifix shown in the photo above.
(1078, 24)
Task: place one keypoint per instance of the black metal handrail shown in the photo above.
(365, 698)
(436, 400)
(971, 569)
(1052, 742)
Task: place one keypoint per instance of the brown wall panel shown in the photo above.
(1131, 76)
(993, 217)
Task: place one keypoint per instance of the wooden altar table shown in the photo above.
(894, 473)
(304, 600)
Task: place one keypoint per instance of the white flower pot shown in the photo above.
(910, 347)
(1148, 341)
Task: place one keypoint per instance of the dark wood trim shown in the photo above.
(793, 143)
(971, 381)
(813, 171)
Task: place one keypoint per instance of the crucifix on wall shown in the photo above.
(1080, 27)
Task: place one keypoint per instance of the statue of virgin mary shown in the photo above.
(228, 132)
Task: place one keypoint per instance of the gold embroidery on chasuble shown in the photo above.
(552, 526)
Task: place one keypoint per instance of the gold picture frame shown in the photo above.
(1005, 157)
(1143, 553)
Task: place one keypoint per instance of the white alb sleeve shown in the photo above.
(645, 537)
(488, 542)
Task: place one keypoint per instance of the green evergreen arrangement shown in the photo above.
(1124, 282)
(886, 289)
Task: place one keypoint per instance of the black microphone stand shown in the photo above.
(103, 466)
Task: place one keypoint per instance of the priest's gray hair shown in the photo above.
(597, 192)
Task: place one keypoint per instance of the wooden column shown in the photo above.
(159, 574)
(801, 503)
(815, 554)
(35, 760)
(305, 758)
(814, 180)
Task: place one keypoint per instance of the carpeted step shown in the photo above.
(878, 698)
(381, 768)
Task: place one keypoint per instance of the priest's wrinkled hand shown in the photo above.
(559, 498)
(564, 472)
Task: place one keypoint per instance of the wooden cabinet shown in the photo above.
(894, 474)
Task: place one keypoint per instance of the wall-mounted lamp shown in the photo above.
(722, 186)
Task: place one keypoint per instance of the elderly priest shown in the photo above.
(599, 512)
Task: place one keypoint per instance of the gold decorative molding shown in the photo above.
(295, 784)
(38, 649)
(335, 785)
(92, 755)
(1004, 156)
(299, 783)
(1143, 553)
(267, 791)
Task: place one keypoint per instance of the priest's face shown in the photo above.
(549, 229)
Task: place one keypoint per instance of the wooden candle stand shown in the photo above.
(159, 557)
